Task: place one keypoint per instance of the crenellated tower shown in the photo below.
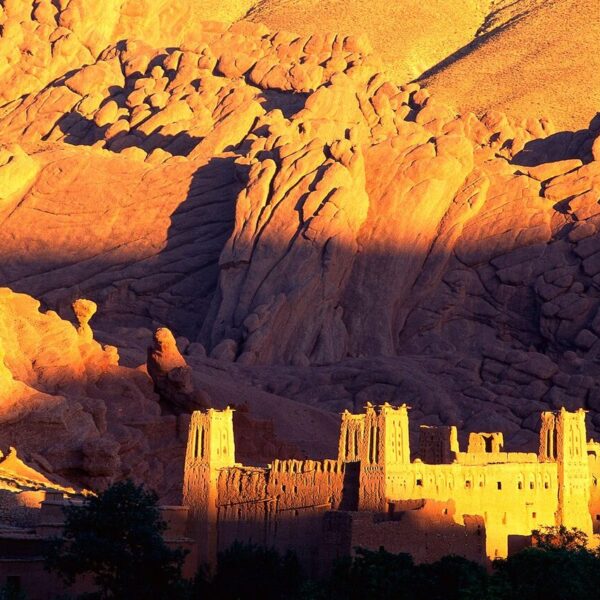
(563, 440)
(352, 430)
(210, 448)
(385, 448)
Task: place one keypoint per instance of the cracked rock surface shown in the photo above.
(312, 235)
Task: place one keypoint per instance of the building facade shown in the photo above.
(479, 503)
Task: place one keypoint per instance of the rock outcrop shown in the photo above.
(173, 379)
(303, 233)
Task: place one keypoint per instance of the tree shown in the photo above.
(250, 572)
(372, 574)
(560, 537)
(117, 538)
(450, 578)
(558, 567)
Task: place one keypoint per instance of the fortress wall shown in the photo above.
(305, 491)
(303, 484)
(243, 506)
(284, 505)
(512, 498)
(281, 506)
(427, 532)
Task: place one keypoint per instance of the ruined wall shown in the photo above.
(438, 445)
(485, 442)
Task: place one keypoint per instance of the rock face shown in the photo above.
(309, 231)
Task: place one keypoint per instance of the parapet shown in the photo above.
(306, 466)
(487, 458)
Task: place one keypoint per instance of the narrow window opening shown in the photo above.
(196, 442)
(420, 482)
(347, 448)
(467, 483)
(499, 484)
(520, 485)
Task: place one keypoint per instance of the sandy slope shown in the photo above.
(536, 58)
(410, 35)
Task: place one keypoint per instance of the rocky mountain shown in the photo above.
(315, 231)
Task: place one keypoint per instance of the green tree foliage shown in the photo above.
(558, 567)
(384, 576)
(560, 537)
(451, 578)
(371, 574)
(116, 537)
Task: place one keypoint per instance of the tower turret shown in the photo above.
(210, 448)
(563, 440)
(385, 448)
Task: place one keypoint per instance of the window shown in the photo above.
(520, 485)
(546, 485)
(196, 438)
(531, 485)
(499, 484)
(534, 515)
(468, 483)
(420, 482)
